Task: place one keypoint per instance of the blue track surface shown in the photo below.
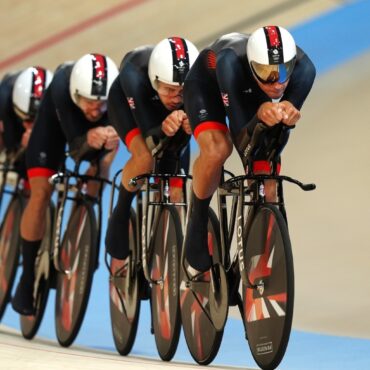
(330, 40)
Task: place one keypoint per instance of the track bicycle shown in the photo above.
(263, 263)
(67, 264)
(155, 239)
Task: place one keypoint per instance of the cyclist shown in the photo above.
(20, 96)
(146, 104)
(244, 80)
(73, 111)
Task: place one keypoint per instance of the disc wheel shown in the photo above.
(165, 303)
(124, 295)
(269, 296)
(77, 258)
(44, 273)
(202, 336)
(9, 250)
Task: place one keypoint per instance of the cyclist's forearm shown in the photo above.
(79, 147)
(247, 140)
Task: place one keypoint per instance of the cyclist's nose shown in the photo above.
(177, 99)
(95, 112)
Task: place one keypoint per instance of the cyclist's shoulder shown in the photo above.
(10, 77)
(230, 48)
(63, 72)
(6, 99)
(133, 74)
(67, 65)
(59, 86)
(234, 41)
(304, 65)
(7, 83)
(138, 58)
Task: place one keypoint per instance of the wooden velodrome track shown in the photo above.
(329, 228)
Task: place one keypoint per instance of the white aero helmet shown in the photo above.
(91, 77)
(28, 90)
(171, 60)
(271, 53)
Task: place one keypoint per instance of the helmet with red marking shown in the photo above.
(91, 77)
(171, 60)
(271, 53)
(28, 90)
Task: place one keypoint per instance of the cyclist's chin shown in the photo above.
(275, 94)
(172, 106)
(92, 118)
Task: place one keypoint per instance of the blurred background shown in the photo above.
(330, 228)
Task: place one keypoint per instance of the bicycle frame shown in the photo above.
(163, 190)
(6, 169)
(146, 202)
(236, 187)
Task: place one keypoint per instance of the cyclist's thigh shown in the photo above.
(202, 98)
(121, 118)
(46, 146)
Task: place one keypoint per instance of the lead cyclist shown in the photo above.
(259, 82)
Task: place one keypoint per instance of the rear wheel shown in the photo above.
(167, 242)
(9, 250)
(77, 259)
(202, 324)
(44, 273)
(268, 300)
(124, 294)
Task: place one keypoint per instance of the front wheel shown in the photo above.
(77, 259)
(124, 300)
(203, 312)
(9, 250)
(268, 294)
(165, 304)
(43, 277)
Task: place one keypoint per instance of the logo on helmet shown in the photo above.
(99, 81)
(181, 67)
(180, 59)
(274, 44)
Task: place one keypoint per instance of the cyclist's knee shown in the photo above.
(270, 191)
(215, 146)
(176, 194)
(143, 159)
(40, 193)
